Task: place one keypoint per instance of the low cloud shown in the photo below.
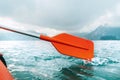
(68, 15)
(110, 18)
(9, 23)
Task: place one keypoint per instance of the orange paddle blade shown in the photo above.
(72, 46)
(4, 73)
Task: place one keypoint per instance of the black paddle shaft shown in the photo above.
(19, 32)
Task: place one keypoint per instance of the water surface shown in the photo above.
(38, 60)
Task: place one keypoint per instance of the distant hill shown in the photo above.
(108, 37)
(102, 33)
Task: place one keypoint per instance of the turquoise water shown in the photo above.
(38, 60)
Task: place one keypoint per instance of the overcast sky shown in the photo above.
(64, 15)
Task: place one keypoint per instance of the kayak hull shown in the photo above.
(4, 73)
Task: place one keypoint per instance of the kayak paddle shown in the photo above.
(67, 44)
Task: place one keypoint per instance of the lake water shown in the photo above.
(38, 60)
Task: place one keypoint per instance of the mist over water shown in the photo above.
(38, 60)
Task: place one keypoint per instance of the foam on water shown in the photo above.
(38, 60)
